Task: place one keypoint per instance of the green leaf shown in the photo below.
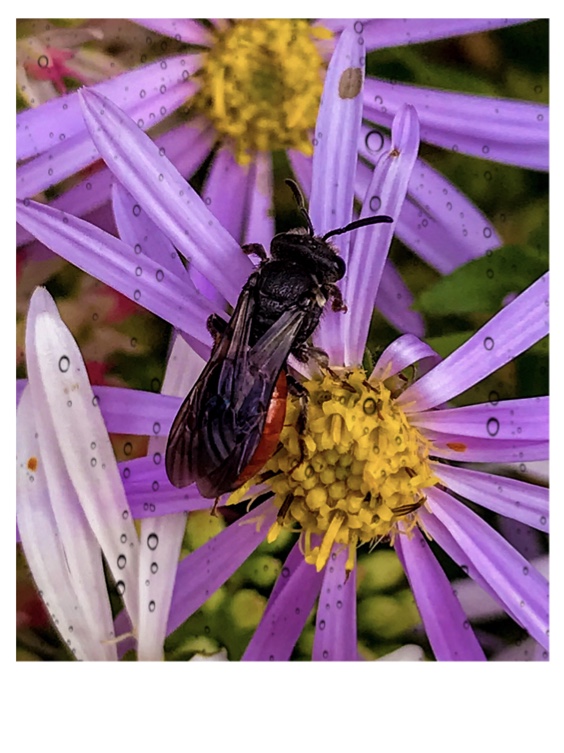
(482, 284)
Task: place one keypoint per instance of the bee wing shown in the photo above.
(219, 425)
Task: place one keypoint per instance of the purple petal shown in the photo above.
(467, 449)
(183, 30)
(527, 503)
(144, 93)
(394, 300)
(502, 130)
(166, 197)
(225, 191)
(517, 584)
(259, 227)
(334, 163)
(525, 419)
(201, 573)
(288, 608)
(511, 331)
(395, 32)
(335, 625)
(448, 630)
(385, 195)
(112, 261)
(403, 352)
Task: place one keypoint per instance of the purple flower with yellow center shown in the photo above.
(252, 87)
(385, 459)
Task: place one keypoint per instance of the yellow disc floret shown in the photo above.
(261, 83)
(358, 471)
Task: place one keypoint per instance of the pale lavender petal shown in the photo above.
(395, 32)
(503, 130)
(58, 377)
(201, 573)
(166, 197)
(183, 30)
(158, 564)
(288, 608)
(302, 167)
(515, 499)
(521, 588)
(140, 233)
(527, 650)
(512, 330)
(465, 449)
(114, 262)
(225, 191)
(259, 226)
(45, 553)
(403, 352)
(334, 165)
(335, 625)
(144, 93)
(128, 411)
(447, 627)
(394, 300)
(525, 419)
(367, 257)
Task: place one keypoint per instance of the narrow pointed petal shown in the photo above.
(225, 191)
(44, 550)
(447, 627)
(201, 573)
(393, 301)
(527, 503)
(260, 227)
(335, 623)
(510, 332)
(394, 32)
(183, 30)
(286, 613)
(161, 536)
(403, 352)
(503, 130)
(334, 164)
(385, 195)
(166, 197)
(114, 262)
(524, 419)
(468, 449)
(519, 586)
(83, 441)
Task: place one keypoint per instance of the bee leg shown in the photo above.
(299, 391)
(322, 360)
(284, 507)
(334, 293)
(255, 248)
(214, 508)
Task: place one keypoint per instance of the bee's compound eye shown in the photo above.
(340, 266)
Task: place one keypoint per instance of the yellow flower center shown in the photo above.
(358, 471)
(261, 84)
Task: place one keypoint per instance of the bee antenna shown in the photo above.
(363, 222)
(301, 203)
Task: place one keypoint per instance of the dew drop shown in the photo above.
(138, 271)
(159, 275)
(154, 567)
(136, 210)
(374, 141)
(121, 561)
(126, 473)
(375, 203)
(93, 462)
(127, 448)
(137, 248)
(492, 426)
(43, 61)
(156, 428)
(120, 587)
(152, 606)
(339, 605)
(325, 654)
(123, 538)
(136, 295)
(525, 570)
(157, 457)
(488, 343)
(64, 364)
(493, 397)
(152, 541)
(125, 514)
(322, 624)
(285, 572)
(155, 486)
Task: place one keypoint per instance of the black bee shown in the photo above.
(228, 426)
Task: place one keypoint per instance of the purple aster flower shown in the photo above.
(385, 459)
(249, 93)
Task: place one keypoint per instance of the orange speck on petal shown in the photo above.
(457, 446)
(32, 464)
